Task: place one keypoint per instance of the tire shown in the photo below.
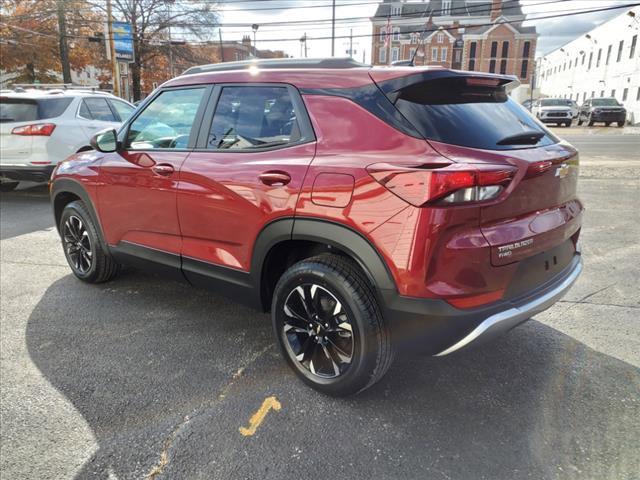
(8, 186)
(340, 327)
(591, 122)
(83, 248)
(579, 122)
(620, 124)
(567, 124)
(606, 124)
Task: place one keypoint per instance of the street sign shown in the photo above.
(123, 41)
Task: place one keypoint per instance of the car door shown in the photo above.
(246, 171)
(137, 196)
(96, 115)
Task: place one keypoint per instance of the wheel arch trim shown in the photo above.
(327, 232)
(67, 185)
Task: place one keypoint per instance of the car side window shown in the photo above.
(97, 109)
(253, 117)
(124, 110)
(166, 122)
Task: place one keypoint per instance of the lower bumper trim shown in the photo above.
(507, 319)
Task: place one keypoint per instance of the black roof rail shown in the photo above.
(275, 63)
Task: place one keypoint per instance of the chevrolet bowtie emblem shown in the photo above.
(563, 170)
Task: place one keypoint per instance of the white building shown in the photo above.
(604, 62)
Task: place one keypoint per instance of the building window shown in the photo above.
(526, 49)
(396, 33)
(383, 35)
(525, 67)
(412, 53)
(396, 10)
(638, 94)
(593, 94)
(505, 49)
(583, 57)
(492, 66)
(503, 66)
(601, 93)
(590, 60)
(575, 64)
(584, 97)
(395, 52)
(443, 54)
(446, 7)
(434, 54)
(472, 55)
(458, 56)
(608, 55)
(620, 47)
(613, 92)
(382, 55)
(625, 92)
(440, 37)
(634, 40)
(599, 57)
(494, 49)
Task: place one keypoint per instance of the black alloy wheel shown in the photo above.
(77, 244)
(318, 331)
(329, 327)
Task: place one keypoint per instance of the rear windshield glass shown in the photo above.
(449, 111)
(28, 109)
(605, 102)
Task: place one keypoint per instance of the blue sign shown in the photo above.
(123, 41)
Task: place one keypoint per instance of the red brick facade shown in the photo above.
(485, 44)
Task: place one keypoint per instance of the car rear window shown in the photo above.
(451, 111)
(29, 109)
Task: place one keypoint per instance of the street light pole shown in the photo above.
(333, 29)
(255, 27)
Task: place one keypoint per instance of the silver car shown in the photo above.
(38, 129)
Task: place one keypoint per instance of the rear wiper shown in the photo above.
(524, 138)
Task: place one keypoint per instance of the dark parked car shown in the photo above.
(369, 210)
(605, 110)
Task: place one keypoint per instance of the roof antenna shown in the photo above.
(424, 30)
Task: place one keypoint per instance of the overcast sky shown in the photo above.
(281, 35)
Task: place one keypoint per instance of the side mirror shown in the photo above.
(105, 141)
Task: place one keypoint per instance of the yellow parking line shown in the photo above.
(257, 418)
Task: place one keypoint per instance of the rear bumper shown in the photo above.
(436, 328)
(29, 173)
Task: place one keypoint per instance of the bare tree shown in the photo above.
(151, 21)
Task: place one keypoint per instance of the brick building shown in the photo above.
(231, 51)
(459, 34)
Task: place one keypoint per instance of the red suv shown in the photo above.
(369, 209)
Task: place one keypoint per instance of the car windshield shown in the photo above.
(605, 102)
(28, 109)
(555, 102)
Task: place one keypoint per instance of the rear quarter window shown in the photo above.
(450, 111)
(28, 109)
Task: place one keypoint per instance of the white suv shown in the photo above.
(38, 129)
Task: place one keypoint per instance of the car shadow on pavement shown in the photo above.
(25, 211)
(165, 374)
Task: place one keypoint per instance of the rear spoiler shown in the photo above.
(392, 87)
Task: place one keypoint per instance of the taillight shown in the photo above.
(41, 129)
(450, 184)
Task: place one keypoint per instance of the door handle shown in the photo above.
(274, 179)
(163, 169)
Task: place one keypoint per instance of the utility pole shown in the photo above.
(62, 37)
(112, 51)
(333, 29)
(220, 43)
(351, 42)
(305, 44)
(255, 27)
(170, 46)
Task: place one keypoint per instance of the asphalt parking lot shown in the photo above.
(144, 378)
